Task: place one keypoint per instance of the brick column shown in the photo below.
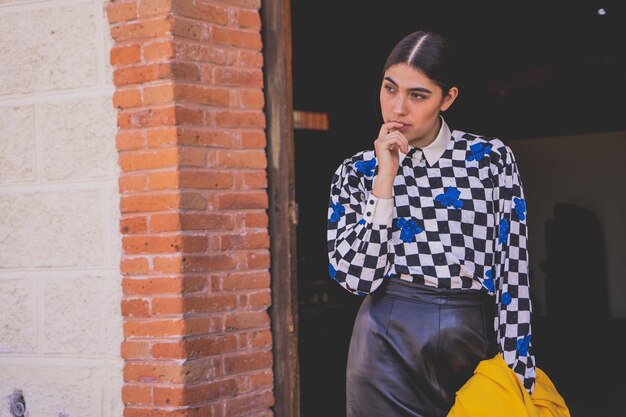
(194, 224)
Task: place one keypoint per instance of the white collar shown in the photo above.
(435, 149)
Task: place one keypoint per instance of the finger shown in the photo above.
(389, 127)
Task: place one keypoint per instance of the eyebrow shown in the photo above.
(421, 89)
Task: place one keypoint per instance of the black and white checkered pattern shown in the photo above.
(460, 223)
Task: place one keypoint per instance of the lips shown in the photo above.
(399, 121)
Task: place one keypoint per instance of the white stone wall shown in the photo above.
(60, 291)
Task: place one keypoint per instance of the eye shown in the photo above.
(418, 96)
(389, 88)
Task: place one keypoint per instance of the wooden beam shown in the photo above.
(276, 31)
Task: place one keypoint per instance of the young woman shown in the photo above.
(430, 227)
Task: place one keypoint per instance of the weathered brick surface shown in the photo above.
(193, 184)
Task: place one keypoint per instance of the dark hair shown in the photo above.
(429, 53)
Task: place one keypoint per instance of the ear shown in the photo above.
(449, 98)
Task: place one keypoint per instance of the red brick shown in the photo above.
(260, 338)
(253, 139)
(186, 8)
(129, 139)
(263, 379)
(208, 263)
(238, 77)
(135, 307)
(188, 116)
(251, 180)
(252, 99)
(158, 51)
(206, 221)
(196, 347)
(145, 29)
(152, 327)
(206, 179)
(134, 266)
(153, 372)
(119, 11)
(163, 116)
(241, 159)
(127, 54)
(165, 222)
(150, 244)
(158, 94)
(134, 224)
(137, 394)
(139, 74)
(246, 240)
(250, 59)
(258, 260)
(233, 37)
(240, 405)
(240, 119)
(199, 393)
(241, 320)
(249, 19)
(148, 159)
(193, 201)
(165, 180)
(148, 8)
(132, 183)
(186, 28)
(185, 71)
(260, 299)
(162, 136)
(252, 219)
(168, 264)
(210, 13)
(202, 94)
(243, 362)
(135, 350)
(193, 156)
(166, 285)
(194, 304)
(194, 136)
(242, 200)
(246, 280)
(149, 202)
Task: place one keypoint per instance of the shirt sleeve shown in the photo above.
(512, 291)
(358, 233)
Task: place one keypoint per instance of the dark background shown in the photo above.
(529, 69)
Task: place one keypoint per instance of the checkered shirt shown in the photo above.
(458, 223)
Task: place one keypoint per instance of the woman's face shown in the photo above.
(409, 97)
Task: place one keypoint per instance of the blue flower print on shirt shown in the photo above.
(362, 221)
(338, 211)
(506, 298)
(504, 231)
(478, 151)
(522, 345)
(450, 198)
(409, 229)
(361, 293)
(520, 207)
(488, 282)
(366, 167)
(332, 271)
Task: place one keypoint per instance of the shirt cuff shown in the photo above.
(379, 210)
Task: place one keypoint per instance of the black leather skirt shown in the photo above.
(413, 346)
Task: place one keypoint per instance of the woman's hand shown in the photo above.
(387, 144)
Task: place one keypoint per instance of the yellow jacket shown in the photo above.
(495, 391)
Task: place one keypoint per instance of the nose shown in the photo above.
(399, 105)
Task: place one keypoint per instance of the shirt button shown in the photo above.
(371, 201)
(369, 213)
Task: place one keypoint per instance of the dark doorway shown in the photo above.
(530, 70)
